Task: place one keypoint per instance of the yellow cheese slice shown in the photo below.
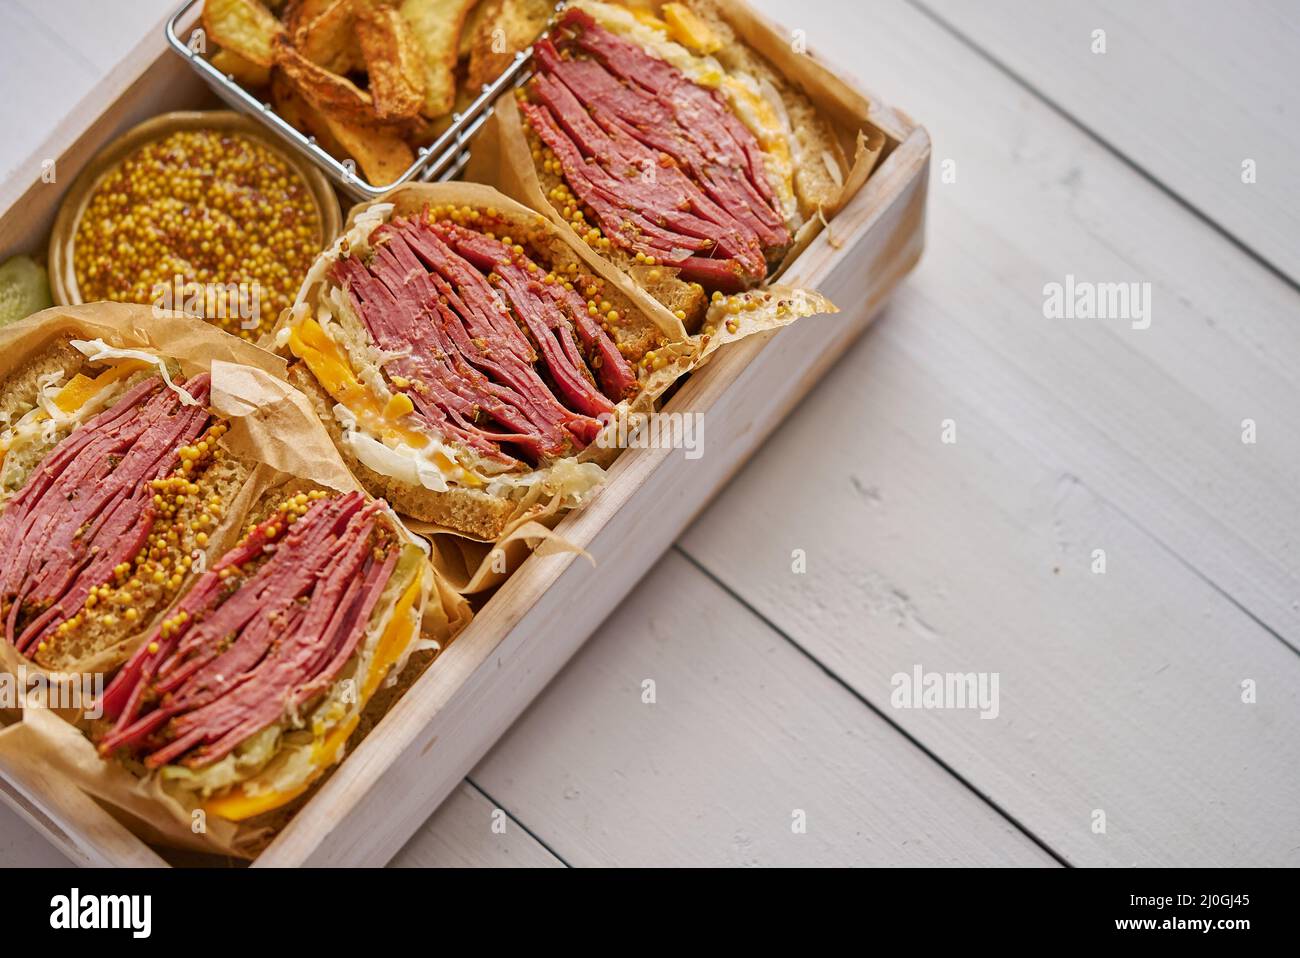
(689, 30)
(81, 387)
(235, 806)
(395, 638)
(329, 364)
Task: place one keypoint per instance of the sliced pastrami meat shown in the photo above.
(263, 633)
(489, 354)
(664, 166)
(88, 508)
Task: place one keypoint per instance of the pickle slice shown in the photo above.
(24, 289)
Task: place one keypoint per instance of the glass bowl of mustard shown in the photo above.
(197, 212)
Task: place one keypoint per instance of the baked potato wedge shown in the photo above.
(245, 72)
(245, 27)
(503, 28)
(436, 25)
(330, 39)
(332, 94)
(392, 60)
(382, 155)
(294, 109)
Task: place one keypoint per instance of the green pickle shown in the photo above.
(24, 289)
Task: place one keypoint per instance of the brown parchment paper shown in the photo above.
(503, 158)
(272, 427)
(140, 802)
(192, 342)
(472, 565)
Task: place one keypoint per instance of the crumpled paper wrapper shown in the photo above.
(273, 428)
(503, 158)
(471, 565)
(139, 803)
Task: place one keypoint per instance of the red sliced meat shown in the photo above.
(88, 507)
(708, 138)
(266, 630)
(662, 164)
(489, 355)
(547, 325)
(711, 174)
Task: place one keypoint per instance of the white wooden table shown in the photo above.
(1120, 693)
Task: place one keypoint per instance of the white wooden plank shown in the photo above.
(1120, 691)
(743, 732)
(96, 33)
(1187, 89)
(21, 846)
(55, 81)
(1155, 415)
(467, 830)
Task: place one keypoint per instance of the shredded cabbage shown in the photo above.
(97, 351)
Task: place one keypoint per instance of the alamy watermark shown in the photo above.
(919, 689)
(655, 430)
(1081, 299)
(210, 301)
(83, 692)
(76, 911)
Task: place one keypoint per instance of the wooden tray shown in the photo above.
(437, 732)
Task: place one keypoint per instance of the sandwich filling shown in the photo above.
(448, 296)
(653, 160)
(102, 532)
(457, 356)
(238, 690)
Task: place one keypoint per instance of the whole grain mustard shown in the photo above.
(217, 217)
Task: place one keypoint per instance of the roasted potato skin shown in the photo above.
(392, 61)
(436, 25)
(330, 39)
(244, 27)
(381, 155)
(371, 80)
(503, 28)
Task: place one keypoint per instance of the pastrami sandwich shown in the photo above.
(112, 483)
(467, 357)
(672, 148)
(250, 688)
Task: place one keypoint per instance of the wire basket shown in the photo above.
(443, 159)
